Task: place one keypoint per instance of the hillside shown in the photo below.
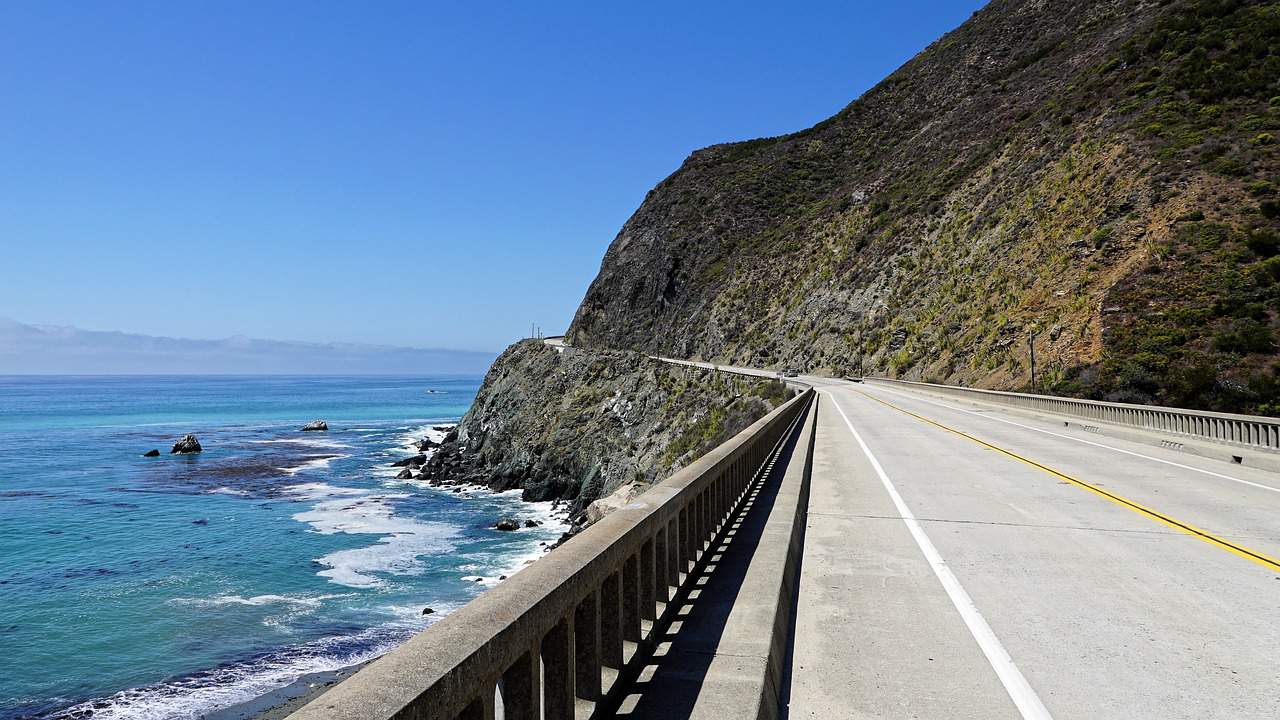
(1102, 173)
(578, 424)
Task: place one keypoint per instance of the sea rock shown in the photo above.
(531, 523)
(188, 444)
(442, 428)
(315, 425)
(508, 524)
(405, 474)
(415, 461)
(426, 444)
(428, 611)
(151, 453)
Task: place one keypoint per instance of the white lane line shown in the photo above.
(1011, 677)
(1086, 442)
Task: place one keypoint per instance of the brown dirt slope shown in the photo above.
(1102, 173)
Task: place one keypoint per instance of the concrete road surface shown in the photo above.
(963, 562)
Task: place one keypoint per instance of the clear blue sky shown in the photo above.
(428, 174)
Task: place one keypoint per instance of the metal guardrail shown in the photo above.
(563, 630)
(1249, 431)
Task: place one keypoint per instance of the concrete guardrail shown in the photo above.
(561, 632)
(1259, 433)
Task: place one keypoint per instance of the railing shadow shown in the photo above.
(672, 675)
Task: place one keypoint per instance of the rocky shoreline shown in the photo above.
(586, 430)
(285, 701)
(575, 426)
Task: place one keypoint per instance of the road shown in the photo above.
(962, 561)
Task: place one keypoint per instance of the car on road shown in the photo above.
(790, 372)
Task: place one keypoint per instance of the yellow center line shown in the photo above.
(1244, 552)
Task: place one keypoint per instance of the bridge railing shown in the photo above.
(1259, 433)
(559, 633)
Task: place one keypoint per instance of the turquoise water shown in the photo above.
(170, 587)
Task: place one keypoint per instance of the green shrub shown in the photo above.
(1253, 122)
(1245, 337)
(1230, 166)
(1264, 139)
(1258, 188)
(1270, 208)
(1263, 242)
(1270, 268)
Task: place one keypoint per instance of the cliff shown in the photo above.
(577, 424)
(1098, 175)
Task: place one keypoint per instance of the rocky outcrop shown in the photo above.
(575, 425)
(186, 444)
(315, 425)
(1102, 167)
(405, 474)
(413, 461)
(507, 524)
(151, 453)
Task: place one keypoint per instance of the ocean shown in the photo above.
(175, 586)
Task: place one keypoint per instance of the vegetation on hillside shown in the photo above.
(1100, 175)
(576, 425)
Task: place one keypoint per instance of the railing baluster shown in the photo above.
(611, 621)
(661, 573)
(631, 599)
(521, 688)
(557, 671)
(648, 583)
(673, 552)
(586, 647)
(482, 708)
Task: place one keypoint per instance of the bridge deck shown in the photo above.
(1028, 583)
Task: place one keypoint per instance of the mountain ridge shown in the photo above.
(1099, 174)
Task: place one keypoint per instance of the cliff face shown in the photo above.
(577, 424)
(1100, 174)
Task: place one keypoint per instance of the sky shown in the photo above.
(404, 173)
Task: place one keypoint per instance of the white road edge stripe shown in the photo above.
(1082, 440)
(1015, 684)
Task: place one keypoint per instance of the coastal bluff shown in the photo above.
(575, 425)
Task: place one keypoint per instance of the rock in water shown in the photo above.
(428, 611)
(315, 425)
(188, 444)
(531, 523)
(508, 524)
(415, 461)
(151, 453)
(405, 474)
